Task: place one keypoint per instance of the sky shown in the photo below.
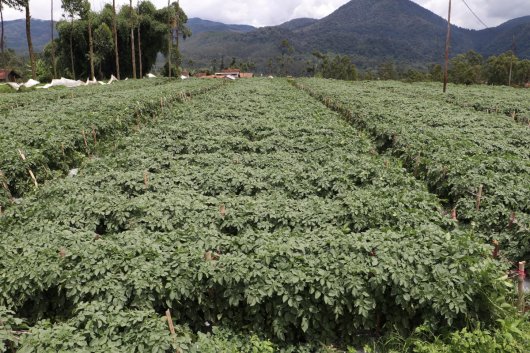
(265, 12)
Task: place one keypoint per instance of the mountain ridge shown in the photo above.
(369, 31)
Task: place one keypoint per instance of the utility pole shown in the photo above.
(511, 61)
(447, 43)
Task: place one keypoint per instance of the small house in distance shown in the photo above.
(8, 76)
(229, 72)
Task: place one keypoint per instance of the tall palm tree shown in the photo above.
(139, 42)
(88, 13)
(115, 35)
(133, 51)
(24, 5)
(2, 35)
(169, 37)
(30, 43)
(54, 64)
(72, 7)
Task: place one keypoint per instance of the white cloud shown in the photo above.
(273, 12)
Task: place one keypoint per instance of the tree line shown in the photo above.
(467, 68)
(123, 42)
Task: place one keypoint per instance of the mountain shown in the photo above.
(15, 34)
(297, 23)
(198, 25)
(370, 31)
(499, 39)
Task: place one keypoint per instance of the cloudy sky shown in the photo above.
(266, 12)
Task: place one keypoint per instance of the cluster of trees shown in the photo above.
(92, 44)
(468, 68)
(338, 67)
(505, 69)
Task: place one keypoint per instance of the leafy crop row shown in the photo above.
(504, 102)
(479, 163)
(49, 137)
(57, 94)
(252, 208)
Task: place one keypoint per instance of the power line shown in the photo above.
(474, 14)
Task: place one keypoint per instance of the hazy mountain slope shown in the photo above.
(198, 25)
(15, 35)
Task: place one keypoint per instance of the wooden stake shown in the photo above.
(222, 210)
(172, 329)
(496, 249)
(479, 196)
(520, 287)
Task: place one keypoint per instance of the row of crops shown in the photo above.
(253, 212)
(477, 163)
(57, 94)
(501, 101)
(42, 141)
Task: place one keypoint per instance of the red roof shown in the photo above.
(230, 70)
(4, 74)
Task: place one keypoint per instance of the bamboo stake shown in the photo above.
(479, 196)
(520, 287)
(29, 170)
(33, 178)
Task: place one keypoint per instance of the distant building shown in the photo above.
(229, 72)
(8, 76)
(233, 73)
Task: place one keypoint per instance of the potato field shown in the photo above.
(263, 215)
